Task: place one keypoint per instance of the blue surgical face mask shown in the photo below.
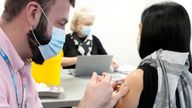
(56, 43)
(86, 30)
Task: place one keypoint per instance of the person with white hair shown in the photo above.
(81, 41)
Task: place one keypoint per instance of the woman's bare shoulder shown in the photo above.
(134, 81)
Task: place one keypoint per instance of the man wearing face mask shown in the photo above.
(34, 29)
(81, 42)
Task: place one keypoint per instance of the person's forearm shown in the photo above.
(86, 104)
(68, 61)
(83, 104)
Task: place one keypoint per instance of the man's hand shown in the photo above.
(117, 94)
(99, 93)
(117, 84)
(114, 64)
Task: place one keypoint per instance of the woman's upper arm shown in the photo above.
(135, 83)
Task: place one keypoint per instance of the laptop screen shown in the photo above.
(94, 63)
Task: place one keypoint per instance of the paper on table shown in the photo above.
(42, 87)
(49, 91)
(126, 68)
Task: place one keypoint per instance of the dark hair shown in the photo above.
(14, 7)
(165, 26)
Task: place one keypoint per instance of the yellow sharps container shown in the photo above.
(49, 71)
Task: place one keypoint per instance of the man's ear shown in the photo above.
(33, 13)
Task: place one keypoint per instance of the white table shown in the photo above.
(74, 88)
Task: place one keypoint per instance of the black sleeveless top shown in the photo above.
(150, 86)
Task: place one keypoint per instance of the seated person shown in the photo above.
(163, 78)
(81, 41)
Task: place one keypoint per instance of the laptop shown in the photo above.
(86, 65)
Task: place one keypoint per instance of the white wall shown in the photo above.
(116, 24)
(1, 6)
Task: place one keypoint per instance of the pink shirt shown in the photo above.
(22, 76)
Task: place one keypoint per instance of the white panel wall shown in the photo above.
(1, 6)
(116, 24)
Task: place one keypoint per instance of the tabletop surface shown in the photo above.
(74, 88)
